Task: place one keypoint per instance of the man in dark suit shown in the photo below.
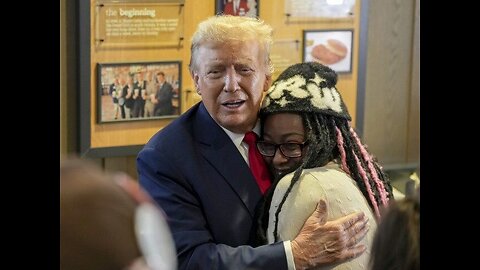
(197, 167)
(163, 98)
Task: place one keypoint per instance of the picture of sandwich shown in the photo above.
(333, 51)
(332, 48)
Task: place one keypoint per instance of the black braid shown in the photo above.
(262, 214)
(384, 177)
(295, 178)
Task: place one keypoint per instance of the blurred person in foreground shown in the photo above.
(397, 240)
(108, 223)
(204, 171)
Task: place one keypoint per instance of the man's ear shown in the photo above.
(267, 83)
(195, 79)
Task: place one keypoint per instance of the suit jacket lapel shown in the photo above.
(220, 151)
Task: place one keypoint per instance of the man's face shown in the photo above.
(160, 78)
(283, 128)
(231, 79)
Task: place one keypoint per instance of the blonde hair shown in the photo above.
(225, 28)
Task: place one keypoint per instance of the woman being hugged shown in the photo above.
(314, 153)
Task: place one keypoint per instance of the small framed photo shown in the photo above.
(332, 48)
(237, 7)
(138, 91)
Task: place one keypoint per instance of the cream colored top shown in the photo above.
(340, 193)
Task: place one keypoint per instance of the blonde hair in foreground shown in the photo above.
(225, 28)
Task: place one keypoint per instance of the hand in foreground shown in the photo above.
(322, 243)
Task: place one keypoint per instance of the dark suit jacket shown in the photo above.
(164, 97)
(196, 174)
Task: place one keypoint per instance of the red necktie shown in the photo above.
(257, 164)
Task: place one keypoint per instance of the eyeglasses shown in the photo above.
(289, 150)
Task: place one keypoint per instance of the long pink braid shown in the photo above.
(367, 184)
(373, 172)
(342, 150)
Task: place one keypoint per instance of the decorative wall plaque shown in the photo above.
(316, 9)
(141, 24)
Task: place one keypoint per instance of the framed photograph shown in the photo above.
(332, 48)
(237, 7)
(138, 91)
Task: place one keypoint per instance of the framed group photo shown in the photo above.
(332, 48)
(138, 91)
(247, 8)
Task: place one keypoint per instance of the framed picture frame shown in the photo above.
(237, 7)
(138, 24)
(332, 48)
(101, 136)
(138, 91)
(315, 10)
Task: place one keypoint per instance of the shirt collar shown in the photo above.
(237, 138)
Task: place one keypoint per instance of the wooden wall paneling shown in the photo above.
(132, 166)
(413, 141)
(100, 162)
(195, 12)
(389, 57)
(114, 164)
(126, 164)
